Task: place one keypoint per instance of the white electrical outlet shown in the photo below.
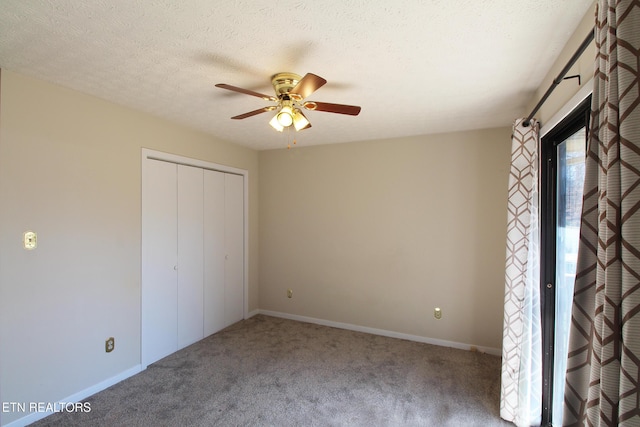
(30, 240)
(109, 344)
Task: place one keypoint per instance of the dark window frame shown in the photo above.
(576, 120)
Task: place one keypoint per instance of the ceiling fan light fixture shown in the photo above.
(299, 120)
(275, 124)
(285, 116)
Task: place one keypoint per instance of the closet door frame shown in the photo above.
(148, 155)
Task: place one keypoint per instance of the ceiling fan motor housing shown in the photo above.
(284, 82)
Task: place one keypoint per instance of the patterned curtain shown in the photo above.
(521, 386)
(603, 371)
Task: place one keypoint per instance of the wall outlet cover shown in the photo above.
(109, 344)
(30, 240)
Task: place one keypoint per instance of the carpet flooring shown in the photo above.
(267, 371)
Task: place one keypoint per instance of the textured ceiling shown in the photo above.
(415, 66)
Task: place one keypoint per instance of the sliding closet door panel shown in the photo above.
(234, 248)
(214, 253)
(159, 260)
(190, 255)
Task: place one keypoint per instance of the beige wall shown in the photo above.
(378, 233)
(70, 170)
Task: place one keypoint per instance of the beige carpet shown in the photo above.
(267, 371)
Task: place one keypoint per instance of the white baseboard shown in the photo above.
(443, 343)
(252, 313)
(76, 397)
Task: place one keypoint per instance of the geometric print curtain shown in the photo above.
(603, 369)
(521, 378)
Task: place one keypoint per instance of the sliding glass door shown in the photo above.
(571, 156)
(564, 150)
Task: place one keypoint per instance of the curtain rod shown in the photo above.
(564, 71)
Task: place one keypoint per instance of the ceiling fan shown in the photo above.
(291, 91)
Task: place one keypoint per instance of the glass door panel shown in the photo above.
(570, 179)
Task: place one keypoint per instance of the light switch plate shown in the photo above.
(30, 240)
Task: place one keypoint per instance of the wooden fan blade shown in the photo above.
(307, 85)
(351, 110)
(254, 112)
(246, 91)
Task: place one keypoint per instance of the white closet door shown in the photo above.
(190, 255)
(159, 260)
(234, 248)
(214, 253)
